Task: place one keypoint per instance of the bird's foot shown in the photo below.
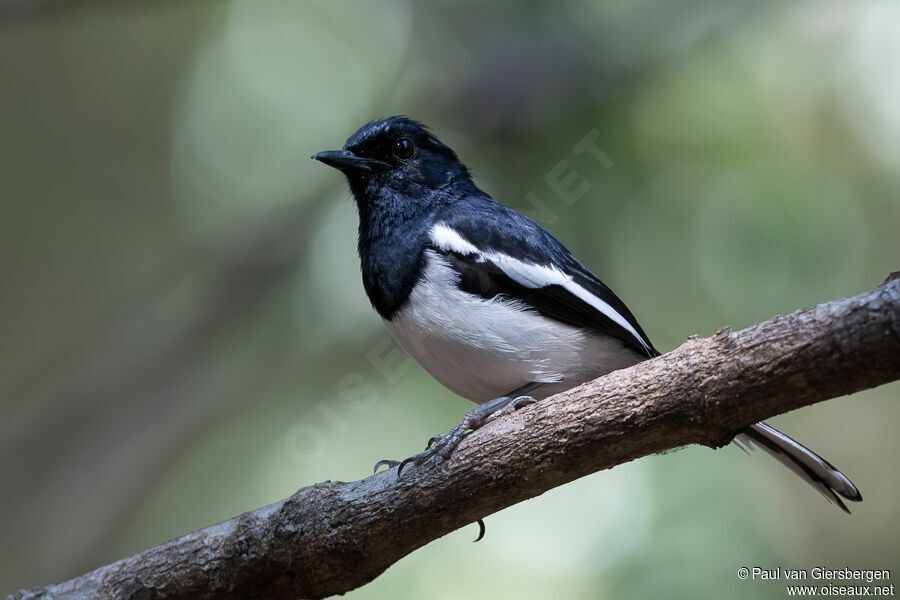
(440, 447)
(437, 449)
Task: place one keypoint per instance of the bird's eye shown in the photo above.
(403, 148)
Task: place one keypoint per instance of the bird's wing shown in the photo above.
(498, 251)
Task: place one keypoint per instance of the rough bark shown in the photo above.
(334, 536)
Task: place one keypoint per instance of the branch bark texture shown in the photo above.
(335, 536)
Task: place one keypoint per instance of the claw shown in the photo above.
(404, 462)
(523, 401)
(390, 464)
(481, 530)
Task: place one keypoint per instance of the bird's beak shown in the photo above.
(345, 161)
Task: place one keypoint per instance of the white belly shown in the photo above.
(485, 348)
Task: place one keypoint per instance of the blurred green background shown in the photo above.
(184, 331)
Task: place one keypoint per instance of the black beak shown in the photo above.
(345, 161)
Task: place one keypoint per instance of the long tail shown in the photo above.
(814, 469)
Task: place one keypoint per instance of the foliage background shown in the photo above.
(183, 327)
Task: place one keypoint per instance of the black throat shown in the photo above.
(393, 235)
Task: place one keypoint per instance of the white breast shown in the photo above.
(484, 348)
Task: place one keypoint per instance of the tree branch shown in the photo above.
(334, 537)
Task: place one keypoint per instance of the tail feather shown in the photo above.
(814, 469)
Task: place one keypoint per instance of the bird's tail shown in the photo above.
(814, 469)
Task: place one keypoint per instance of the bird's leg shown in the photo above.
(442, 446)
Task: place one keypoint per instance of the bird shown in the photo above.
(486, 300)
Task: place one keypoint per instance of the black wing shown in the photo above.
(504, 239)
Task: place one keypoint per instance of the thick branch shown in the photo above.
(333, 537)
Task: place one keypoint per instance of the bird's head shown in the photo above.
(396, 160)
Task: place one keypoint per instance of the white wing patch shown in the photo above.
(530, 275)
(446, 238)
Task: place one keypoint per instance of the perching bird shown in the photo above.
(485, 299)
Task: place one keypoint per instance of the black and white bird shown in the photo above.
(485, 299)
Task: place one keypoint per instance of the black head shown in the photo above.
(400, 175)
(396, 158)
